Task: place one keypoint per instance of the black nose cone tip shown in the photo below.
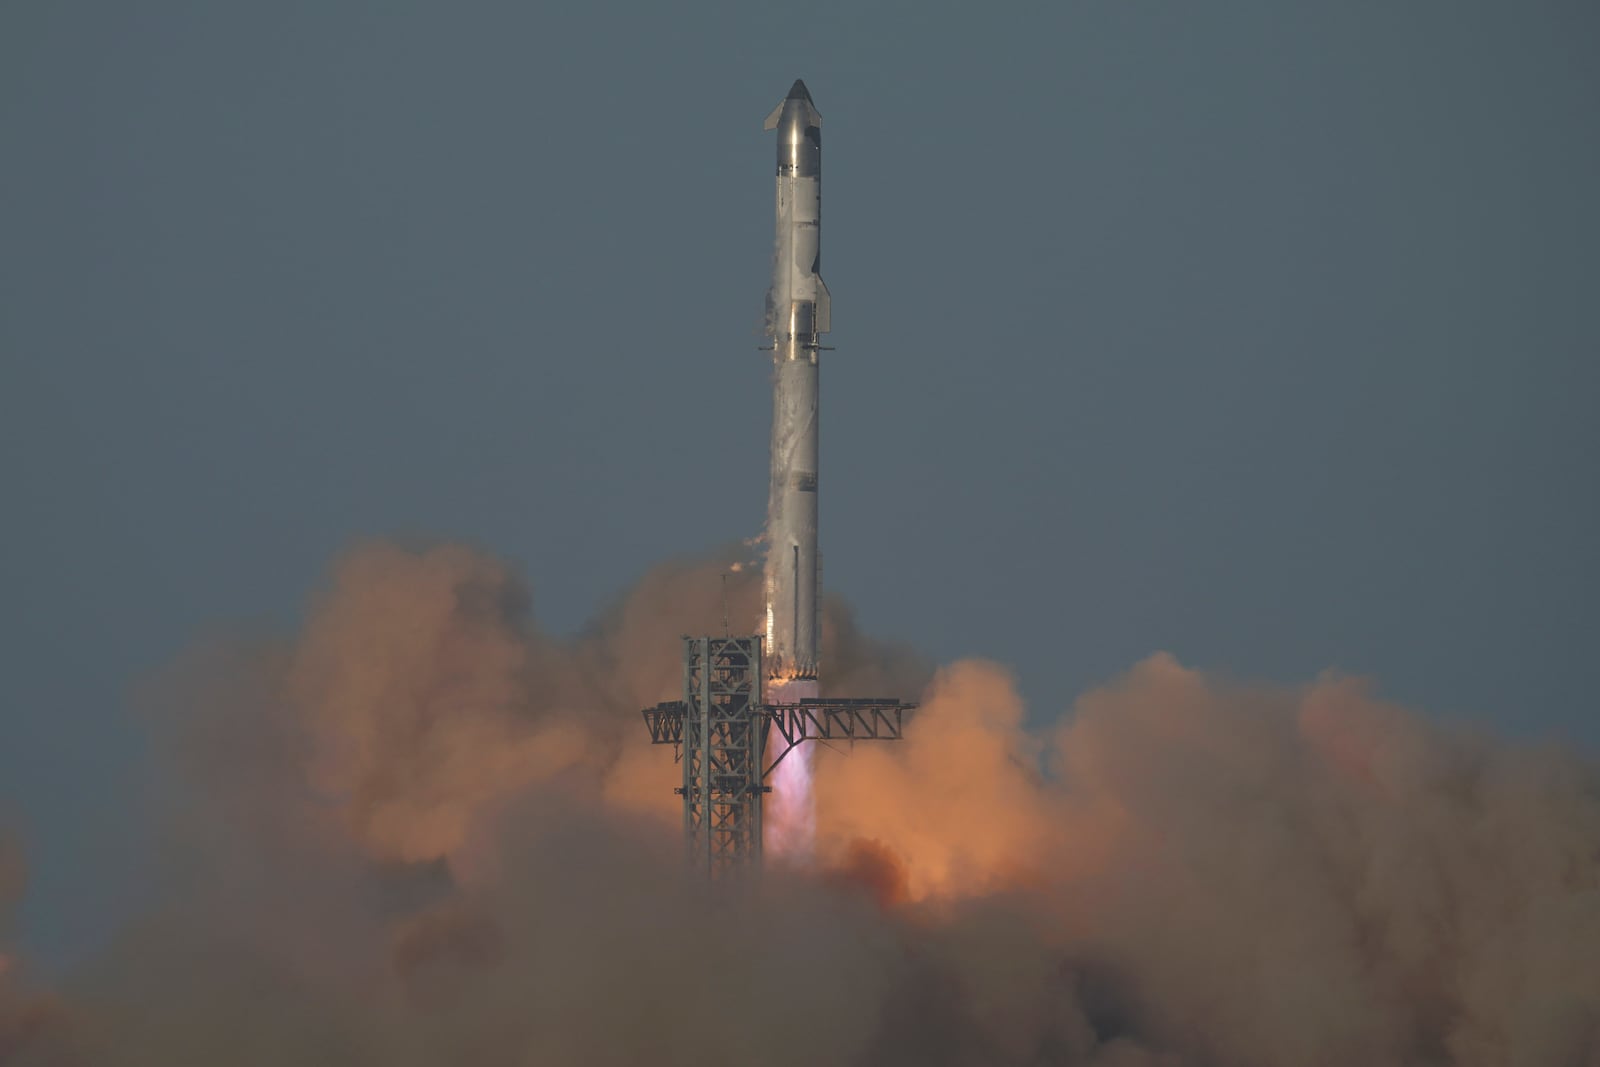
(798, 91)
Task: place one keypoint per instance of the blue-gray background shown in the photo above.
(1263, 333)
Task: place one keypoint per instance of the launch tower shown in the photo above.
(728, 742)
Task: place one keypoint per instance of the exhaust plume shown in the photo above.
(422, 831)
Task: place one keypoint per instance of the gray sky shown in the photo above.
(1262, 333)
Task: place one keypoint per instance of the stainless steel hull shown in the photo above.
(799, 310)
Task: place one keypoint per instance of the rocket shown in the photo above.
(798, 312)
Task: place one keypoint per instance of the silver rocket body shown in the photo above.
(798, 312)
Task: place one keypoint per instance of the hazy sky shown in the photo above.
(1262, 333)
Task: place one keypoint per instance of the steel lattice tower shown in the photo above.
(721, 728)
(723, 744)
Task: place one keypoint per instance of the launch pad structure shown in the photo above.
(728, 741)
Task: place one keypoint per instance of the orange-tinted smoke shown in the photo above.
(958, 805)
(1182, 871)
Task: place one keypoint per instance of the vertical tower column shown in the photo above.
(724, 741)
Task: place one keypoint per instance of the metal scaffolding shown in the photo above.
(720, 730)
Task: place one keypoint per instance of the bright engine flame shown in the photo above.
(791, 817)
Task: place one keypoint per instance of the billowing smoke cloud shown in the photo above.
(27, 1017)
(423, 832)
(1258, 875)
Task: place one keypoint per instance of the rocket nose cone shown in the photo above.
(798, 91)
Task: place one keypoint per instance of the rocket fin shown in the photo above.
(824, 306)
(813, 116)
